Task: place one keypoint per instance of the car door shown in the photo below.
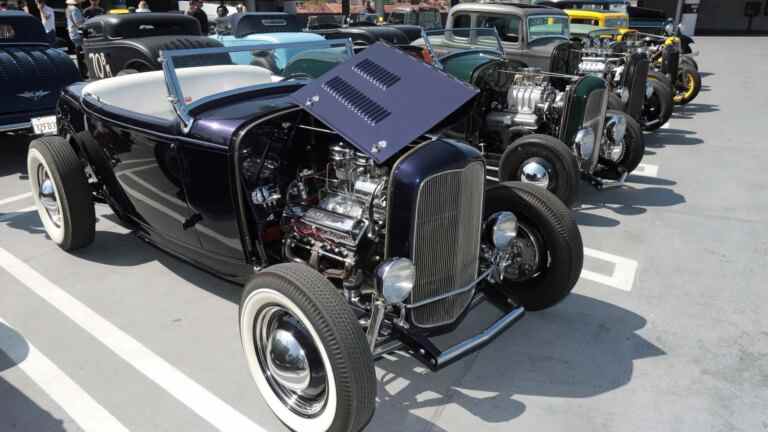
(148, 169)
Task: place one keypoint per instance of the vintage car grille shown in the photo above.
(670, 62)
(447, 242)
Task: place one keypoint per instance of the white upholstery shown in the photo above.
(146, 93)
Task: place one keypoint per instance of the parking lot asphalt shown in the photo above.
(667, 329)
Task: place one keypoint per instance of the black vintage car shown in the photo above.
(32, 75)
(130, 43)
(355, 225)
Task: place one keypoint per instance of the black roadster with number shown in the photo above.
(355, 225)
(32, 75)
(129, 43)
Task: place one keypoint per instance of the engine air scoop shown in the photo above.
(382, 99)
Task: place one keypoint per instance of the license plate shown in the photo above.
(45, 125)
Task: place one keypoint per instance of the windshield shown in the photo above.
(443, 42)
(194, 76)
(543, 26)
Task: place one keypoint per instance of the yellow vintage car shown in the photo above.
(687, 80)
(597, 18)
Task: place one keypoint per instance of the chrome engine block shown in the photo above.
(529, 101)
(352, 206)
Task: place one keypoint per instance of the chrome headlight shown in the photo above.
(395, 279)
(501, 229)
(616, 128)
(585, 142)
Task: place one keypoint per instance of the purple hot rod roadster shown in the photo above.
(356, 227)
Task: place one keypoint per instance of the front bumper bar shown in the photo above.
(422, 348)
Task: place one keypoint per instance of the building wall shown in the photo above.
(718, 16)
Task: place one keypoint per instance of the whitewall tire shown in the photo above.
(61, 192)
(306, 351)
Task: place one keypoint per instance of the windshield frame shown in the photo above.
(564, 18)
(435, 58)
(173, 85)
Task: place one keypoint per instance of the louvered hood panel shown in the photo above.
(383, 99)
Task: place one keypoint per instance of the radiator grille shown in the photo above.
(447, 242)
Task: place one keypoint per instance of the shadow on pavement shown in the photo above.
(127, 250)
(629, 200)
(669, 137)
(17, 411)
(582, 348)
(693, 108)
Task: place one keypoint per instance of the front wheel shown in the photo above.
(620, 155)
(657, 109)
(306, 351)
(548, 245)
(543, 161)
(688, 85)
(61, 192)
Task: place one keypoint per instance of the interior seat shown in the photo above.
(146, 93)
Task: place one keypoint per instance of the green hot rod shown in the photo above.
(535, 126)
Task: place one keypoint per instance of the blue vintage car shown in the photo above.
(262, 28)
(32, 75)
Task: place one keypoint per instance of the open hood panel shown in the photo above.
(382, 99)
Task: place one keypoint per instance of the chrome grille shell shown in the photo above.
(447, 242)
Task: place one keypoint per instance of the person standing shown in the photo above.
(143, 7)
(222, 10)
(93, 10)
(75, 20)
(49, 20)
(196, 10)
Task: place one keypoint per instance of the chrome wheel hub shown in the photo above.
(613, 141)
(290, 360)
(47, 195)
(536, 171)
(526, 259)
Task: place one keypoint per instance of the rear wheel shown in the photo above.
(689, 85)
(306, 351)
(61, 192)
(543, 161)
(657, 109)
(622, 155)
(548, 244)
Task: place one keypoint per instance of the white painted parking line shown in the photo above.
(15, 198)
(80, 406)
(215, 411)
(624, 270)
(25, 211)
(646, 170)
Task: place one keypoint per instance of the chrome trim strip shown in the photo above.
(15, 126)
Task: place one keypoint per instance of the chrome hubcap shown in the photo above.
(613, 142)
(290, 360)
(47, 195)
(536, 171)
